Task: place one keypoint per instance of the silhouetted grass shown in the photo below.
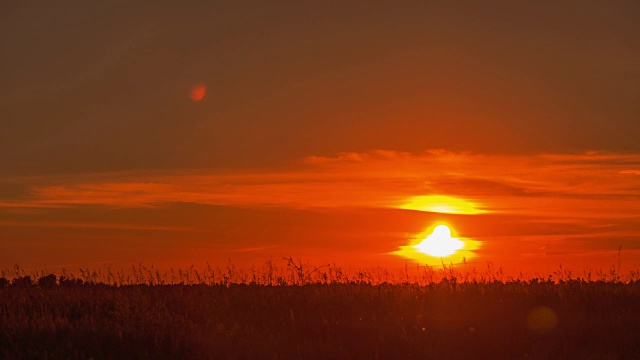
(305, 312)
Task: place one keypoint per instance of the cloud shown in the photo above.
(556, 183)
(350, 204)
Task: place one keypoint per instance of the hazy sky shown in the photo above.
(319, 121)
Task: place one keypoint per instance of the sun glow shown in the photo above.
(440, 243)
(442, 204)
(436, 245)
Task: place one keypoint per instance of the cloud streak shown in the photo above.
(551, 183)
(540, 209)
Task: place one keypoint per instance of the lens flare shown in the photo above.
(542, 319)
(198, 92)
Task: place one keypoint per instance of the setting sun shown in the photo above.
(437, 244)
(320, 180)
(440, 243)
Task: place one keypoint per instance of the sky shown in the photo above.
(342, 132)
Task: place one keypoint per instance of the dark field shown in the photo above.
(353, 319)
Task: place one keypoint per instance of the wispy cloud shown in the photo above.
(576, 183)
(549, 207)
(92, 225)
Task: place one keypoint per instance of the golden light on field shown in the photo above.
(442, 204)
(437, 245)
(198, 92)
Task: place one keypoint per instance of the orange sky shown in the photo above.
(534, 212)
(326, 131)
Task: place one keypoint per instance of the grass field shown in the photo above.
(310, 313)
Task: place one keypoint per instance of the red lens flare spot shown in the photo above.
(198, 92)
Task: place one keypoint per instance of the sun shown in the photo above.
(437, 244)
(440, 243)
